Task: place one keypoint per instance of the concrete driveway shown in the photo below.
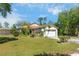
(74, 40)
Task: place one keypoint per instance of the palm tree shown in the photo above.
(5, 8)
(42, 20)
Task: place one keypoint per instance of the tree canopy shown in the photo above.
(42, 20)
(5, 8)
(68, 21)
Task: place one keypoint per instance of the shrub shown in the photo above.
(14, 31)
(64, 38)
(32, 35)
(23, 31)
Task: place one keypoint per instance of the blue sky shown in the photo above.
(31, 11)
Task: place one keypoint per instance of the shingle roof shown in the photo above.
(34, 26)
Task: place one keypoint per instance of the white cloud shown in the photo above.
(54, 10)
(11, 19)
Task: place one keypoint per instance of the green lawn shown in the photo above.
(26, 46)
(6, 35)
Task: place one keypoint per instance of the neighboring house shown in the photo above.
(51, 32)
(4, 31)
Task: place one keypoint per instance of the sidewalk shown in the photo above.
(74, 40)
(75, 54)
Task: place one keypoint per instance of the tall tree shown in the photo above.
(68, 21)
(21, 23)
(0, 25)
(6, 24)
(5, 8)
(42, 20)
(24, 27)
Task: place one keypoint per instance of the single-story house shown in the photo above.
(51, 32)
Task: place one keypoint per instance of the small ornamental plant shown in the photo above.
(14, 31)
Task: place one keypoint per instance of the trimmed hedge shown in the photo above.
(6, 39)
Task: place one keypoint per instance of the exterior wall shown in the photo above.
(36, 30)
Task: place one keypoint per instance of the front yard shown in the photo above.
(27, 46)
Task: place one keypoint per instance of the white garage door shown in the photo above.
(52, 33)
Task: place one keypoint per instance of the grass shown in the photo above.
(6, 35)
(27, 46)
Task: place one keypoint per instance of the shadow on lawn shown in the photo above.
(51, 54)
(7, 39)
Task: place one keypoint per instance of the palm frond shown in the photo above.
(5, 8)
